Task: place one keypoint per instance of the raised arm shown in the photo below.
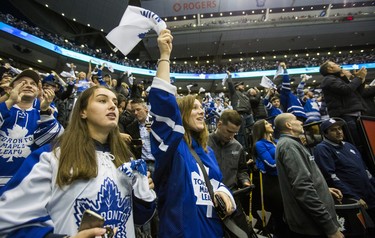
(165, 46)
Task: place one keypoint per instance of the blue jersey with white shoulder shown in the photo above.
(21, 132)
(184, 203)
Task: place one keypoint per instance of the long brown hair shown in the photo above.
(186, 105)
(258, 131)
(77, 159)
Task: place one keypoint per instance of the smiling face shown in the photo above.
(101, 113)
(196, 119)
(29, 88)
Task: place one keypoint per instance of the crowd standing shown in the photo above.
(205, 68)
(114, 131)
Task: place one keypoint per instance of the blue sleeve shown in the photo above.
(100, 78)
(47, 130)
(300, 88)
(143, 211)
(4, 112)
(265, 155)
(285, 86)
(31, 216)
(36, 231)
(324, 158)
(166, 130)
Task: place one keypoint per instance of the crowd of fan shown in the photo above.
(209, 68)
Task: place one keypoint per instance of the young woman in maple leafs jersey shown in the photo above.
(184, 204)
(87, 168)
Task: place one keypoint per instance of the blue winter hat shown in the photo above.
(50, 80)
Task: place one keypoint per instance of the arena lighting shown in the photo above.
(46, 5)
(74, 19)
(148, 72)
(40, 61)
(62, 14)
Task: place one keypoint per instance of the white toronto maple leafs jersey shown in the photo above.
(21, 132)
(32, 203)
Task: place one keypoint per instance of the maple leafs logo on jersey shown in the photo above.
(16, 144)
(110, 204)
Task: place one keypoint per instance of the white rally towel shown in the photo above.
(267, 83)
(279, 71)
(134, 25)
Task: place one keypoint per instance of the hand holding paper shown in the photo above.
(134, 25)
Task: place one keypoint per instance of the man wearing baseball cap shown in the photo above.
(25, 122)
(343, 167)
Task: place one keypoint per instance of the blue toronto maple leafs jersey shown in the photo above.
(21, 132)
(184, 204)
(288, 100)
(32, 203)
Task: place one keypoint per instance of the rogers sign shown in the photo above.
(188, 6)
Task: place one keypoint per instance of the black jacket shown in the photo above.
(368, 95)
(342, 96)
(133, 130)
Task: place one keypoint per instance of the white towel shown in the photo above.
(267, 83)
(134, 25)
(279, 71)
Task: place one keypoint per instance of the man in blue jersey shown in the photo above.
(25, 123)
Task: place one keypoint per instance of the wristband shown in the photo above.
(46, 112)
(166, 60)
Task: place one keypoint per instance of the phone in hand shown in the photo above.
(137, 142)
(91, 219)
(220, 208)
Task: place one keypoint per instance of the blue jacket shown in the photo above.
(265, 160)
